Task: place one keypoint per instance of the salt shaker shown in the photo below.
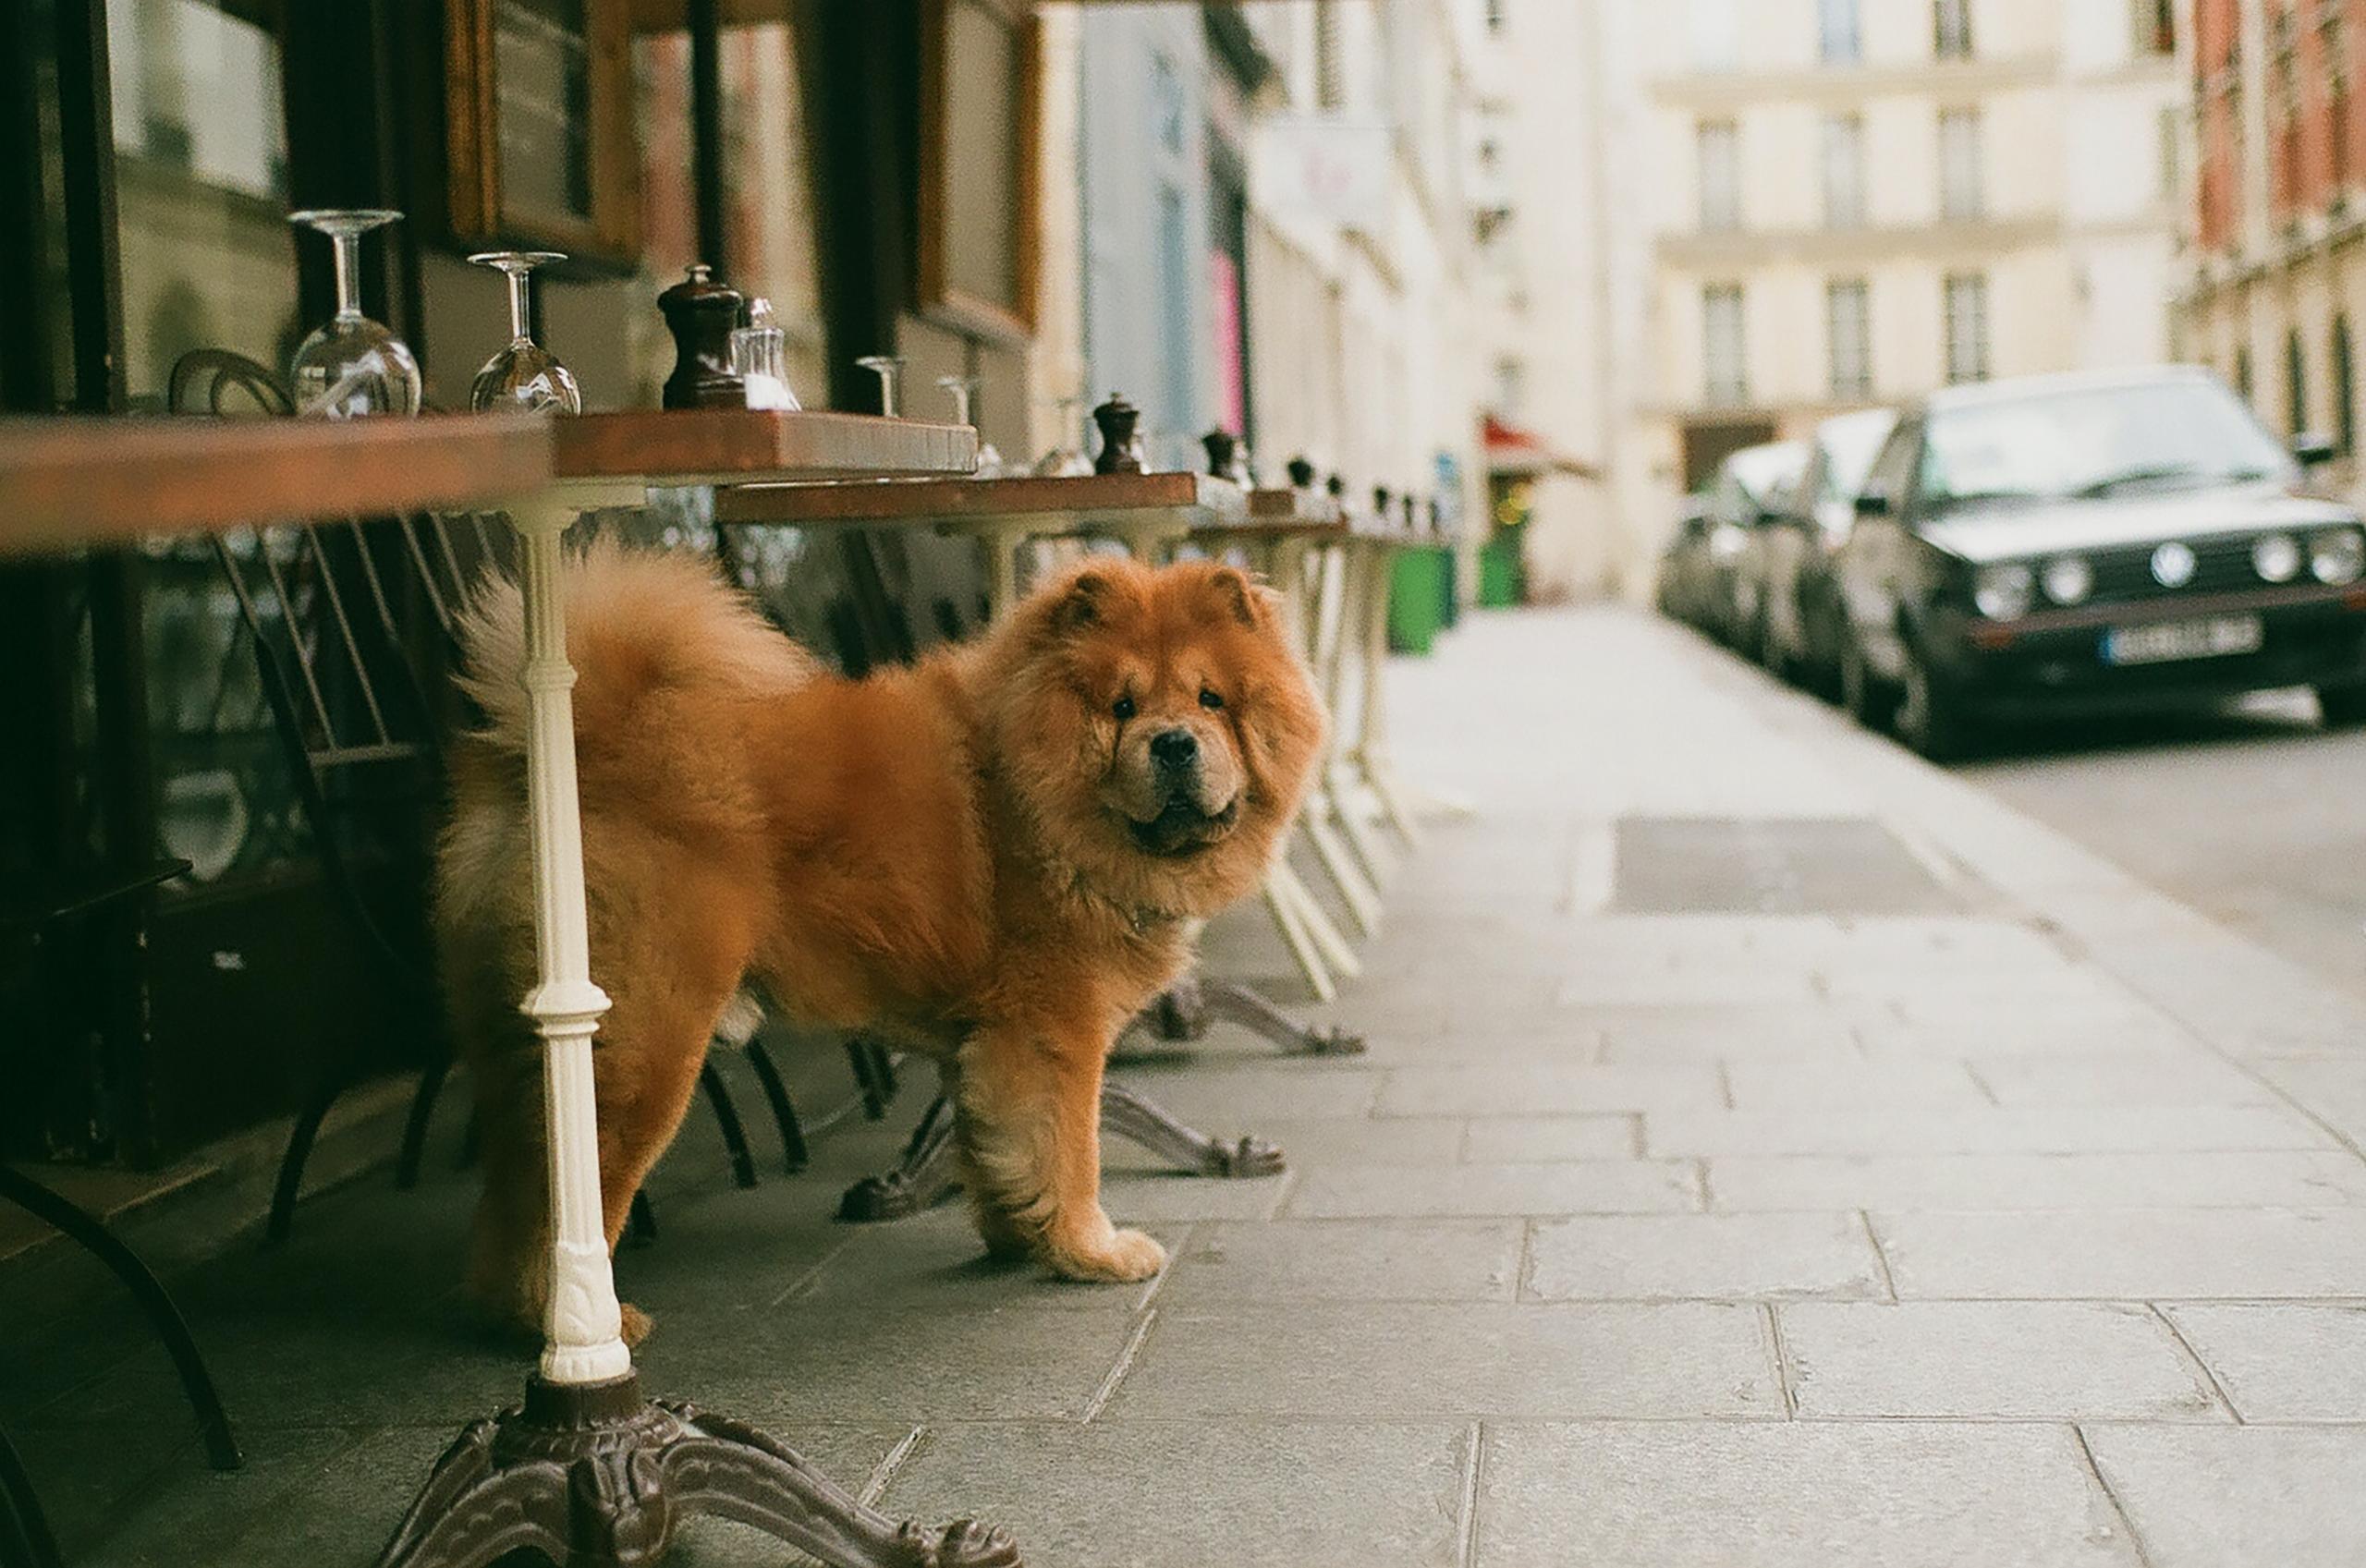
(760, 354)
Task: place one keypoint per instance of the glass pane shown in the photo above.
(542, 81)
(982, 96)
(201, 189)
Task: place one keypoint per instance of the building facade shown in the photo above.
(1864, 200)
(2276, 278)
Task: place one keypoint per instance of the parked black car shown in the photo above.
(1684, 570)
(1801, 625)
(1750, 492)
(2093, 540)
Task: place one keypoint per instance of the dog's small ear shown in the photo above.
(1079, 606)
(1247, 602)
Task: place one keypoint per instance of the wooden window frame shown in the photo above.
(938, 299)
(475, 210)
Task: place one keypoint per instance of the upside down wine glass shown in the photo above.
(525, 374)
(351, 366)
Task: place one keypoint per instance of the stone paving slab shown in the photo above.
(1392, 1260)
(1395, 1360)
(1798, 1495)
(1992, 1360)
(1512, 1140)
(2246, 1497)
(2129, 1254)
(1579, 1186)
(1717, 1256)
(1189, 1494)
(2274, 1178)
(2002, 1130)
(2119, 1078)
(2282, 1361)
(1479, 1088)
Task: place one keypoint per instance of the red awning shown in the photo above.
(1511, 450)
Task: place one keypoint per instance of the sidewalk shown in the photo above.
(1772, 1152)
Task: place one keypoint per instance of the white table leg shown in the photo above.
(1371, 753)
(584, 1328)
(1298, 940)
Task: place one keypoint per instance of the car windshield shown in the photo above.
(2093, 441)
(1757, 475)
(1850, 444)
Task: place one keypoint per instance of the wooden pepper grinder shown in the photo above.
(1121, 440)
(1380, 505)
(1226, 458)
(701, 314)
(1301, 473)
(1338, 487)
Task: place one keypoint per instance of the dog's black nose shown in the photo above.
(1174, 749)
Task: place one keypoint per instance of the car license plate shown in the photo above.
(2212, 638)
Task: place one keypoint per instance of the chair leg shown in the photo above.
(792, 1131)
(1229, 999)
(726, 1116)
(293, 1160)
(641, 1221)
(25, 1537)
(929, 1170)
(866, 1077)
(883, 1067)
(1141, 1120)
(156, 1304)
(423, 1110)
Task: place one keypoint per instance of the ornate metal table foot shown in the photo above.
(927, 1172)
(1138, 1120)
(1185, 1010)
(594, 1476)
(930, 1168)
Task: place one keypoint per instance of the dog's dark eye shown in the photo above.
(1123, 708)
(1210, 701)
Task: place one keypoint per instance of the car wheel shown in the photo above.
(1930, 717)
(2343, 706)
(1862, 693)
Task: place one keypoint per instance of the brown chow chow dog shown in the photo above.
(994, 855)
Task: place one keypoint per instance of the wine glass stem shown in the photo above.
(520, 309)
(346, 248)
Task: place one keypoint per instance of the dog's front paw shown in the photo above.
(1118, 1257)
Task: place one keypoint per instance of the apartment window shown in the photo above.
(1511, 387)
(2243, 372)
(1330, 65)
(1844, 171)
(1837, 31)
(2172, 133)
(1951, 25)
(1967, 327)
(2155, 26)
(1962, 195)
(1719, 145)
(1496, 9)
(1848, 340)
(2337, 130)
(1716, 34)
(2344, 389)
(1725, 378)
(2295, 385)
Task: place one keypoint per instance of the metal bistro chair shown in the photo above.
(355, 628)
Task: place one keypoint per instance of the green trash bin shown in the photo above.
(1499, 572)
(1420, 582)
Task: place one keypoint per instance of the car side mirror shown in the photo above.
(1872, 501)
(2312, 447)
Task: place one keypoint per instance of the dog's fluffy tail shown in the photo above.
(640, 626)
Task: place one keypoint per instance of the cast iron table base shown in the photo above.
(594, 1476)
(1185, 1010)
(930, 1168)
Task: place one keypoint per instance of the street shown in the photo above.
(2250, 813)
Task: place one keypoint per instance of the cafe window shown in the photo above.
(1718, 146)
(1724, 373)
(1951, 28)
(207, 259)
(1837, 38)
(538, 124)
(1848, 337)
(1967, 326)
(2295, 385)
(2154, 23)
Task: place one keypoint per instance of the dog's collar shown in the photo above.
(1142, 919)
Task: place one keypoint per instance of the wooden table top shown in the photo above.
(86, 479)
(727, 446)
(1037, 503)
(1292, 514)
